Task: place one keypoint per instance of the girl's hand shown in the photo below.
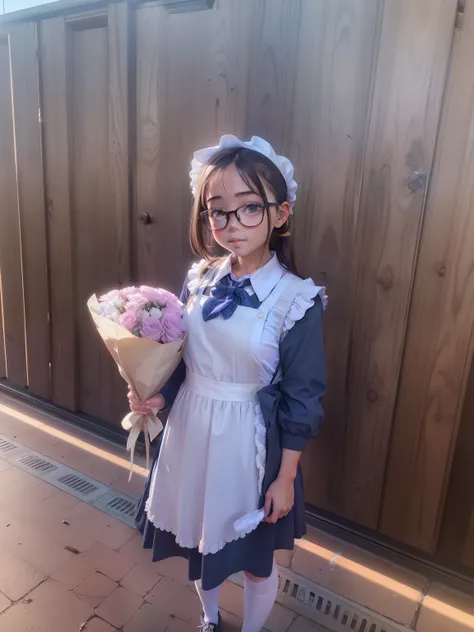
(144, 408)
(280, 499)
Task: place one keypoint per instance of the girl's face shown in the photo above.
(227, 191)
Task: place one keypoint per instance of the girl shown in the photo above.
(225, 490)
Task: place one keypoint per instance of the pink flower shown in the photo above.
(173, 325)
(172, 300)
(152, 328)
(174, 308)
(154, 295)
(126, 292)
(129, 321)
(110, 296)
(135, 304)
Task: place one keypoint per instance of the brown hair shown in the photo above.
(254, 169)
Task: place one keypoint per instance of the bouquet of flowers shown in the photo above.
(143, 329)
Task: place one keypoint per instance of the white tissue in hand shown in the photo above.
(249, 522)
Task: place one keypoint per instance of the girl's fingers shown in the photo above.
(273, 517)
(156, 402)
(138, 406)
(276, 515)
(268, 505)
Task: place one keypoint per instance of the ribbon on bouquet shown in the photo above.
(135, 423)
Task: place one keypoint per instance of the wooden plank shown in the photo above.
(54, 69)
(414, 52)
(120, 68)
(101, 391)
(10, 250)
(90, 201)
(324, 122)
(440, 333)
(273, 65)
(26, 104)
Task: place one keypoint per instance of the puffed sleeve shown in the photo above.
(303, 382)
(171, 388)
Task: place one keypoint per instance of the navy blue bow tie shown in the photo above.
(226, 295)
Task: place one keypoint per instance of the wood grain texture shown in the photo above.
(120, 67)
(29, 161)
(10, 249)
(54, 79)
(412, 62)
(185, 100)
(101, 392)
(456, 538)
(439, 340)
(324, 133)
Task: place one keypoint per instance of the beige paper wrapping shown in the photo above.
(145, 365)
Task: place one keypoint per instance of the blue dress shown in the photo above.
(291, 412)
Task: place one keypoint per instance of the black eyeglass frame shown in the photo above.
(205, 213)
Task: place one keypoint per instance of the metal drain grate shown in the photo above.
(119, 506)
(57, 474)
(36, 464)
(6, 446)
(78, 484)
(123, 506)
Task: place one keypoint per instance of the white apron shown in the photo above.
(210, 470)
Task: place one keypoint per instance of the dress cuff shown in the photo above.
(292, 442)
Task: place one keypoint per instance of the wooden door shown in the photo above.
(86, 122)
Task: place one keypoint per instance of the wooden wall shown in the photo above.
(369, 99)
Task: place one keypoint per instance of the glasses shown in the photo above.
(249, 215)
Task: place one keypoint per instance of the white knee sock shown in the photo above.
(259, 598)
(210, 601)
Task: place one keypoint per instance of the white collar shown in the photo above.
(263, 280)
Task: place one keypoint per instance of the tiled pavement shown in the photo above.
(67, 567)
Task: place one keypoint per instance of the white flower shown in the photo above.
(109, 310)
(156, 312)
(118, 303)
(203, 156)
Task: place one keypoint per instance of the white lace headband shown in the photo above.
(202, 158)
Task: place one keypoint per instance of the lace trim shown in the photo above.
(194, 276)
(188, 543)
(302, 302)
(261, 445)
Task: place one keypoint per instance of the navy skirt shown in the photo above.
(253, 554)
